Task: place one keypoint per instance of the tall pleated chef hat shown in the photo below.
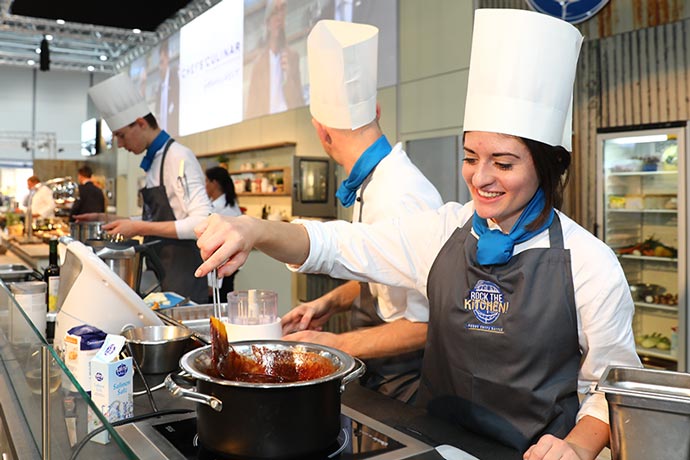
(342, 73)
(522, 71)
(118, 101)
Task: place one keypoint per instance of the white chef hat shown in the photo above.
(522, 71)
(342, 73)
(118, 101)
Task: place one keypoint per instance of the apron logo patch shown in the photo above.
(487, 303)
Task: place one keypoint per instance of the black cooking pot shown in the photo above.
(267, 420)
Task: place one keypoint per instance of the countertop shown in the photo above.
(412, 421)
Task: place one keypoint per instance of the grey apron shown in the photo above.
(502, 353)
(396, 376)
(179, 257)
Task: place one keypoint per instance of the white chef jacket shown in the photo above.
(396, 188)
(219, 206)
(402, 251)
(42, 202)
(189, 211)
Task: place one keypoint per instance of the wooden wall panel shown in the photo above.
(631, 79)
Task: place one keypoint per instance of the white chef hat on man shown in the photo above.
(118, 101)
(342, 73)
(521, 77)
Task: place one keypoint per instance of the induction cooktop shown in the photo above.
(174, 437)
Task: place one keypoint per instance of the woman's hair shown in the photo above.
(552, 164)
(221, 176)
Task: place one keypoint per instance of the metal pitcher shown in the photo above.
(126, 259)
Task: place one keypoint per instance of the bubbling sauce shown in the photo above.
(264, 365)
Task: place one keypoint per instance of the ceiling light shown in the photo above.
(136, 31)
(38, 50)
(49, 37)
(60, 21)
(90, 68)
(31, 62)
(639, 139)
(103, 57)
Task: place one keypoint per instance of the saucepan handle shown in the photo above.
(356, 373)
(180, 392)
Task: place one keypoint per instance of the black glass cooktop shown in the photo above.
(361, 437)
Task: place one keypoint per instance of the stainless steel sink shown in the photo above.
(9, 272)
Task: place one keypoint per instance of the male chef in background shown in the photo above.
(389, 324)
(175, 199)
(40, 198)
(91, 197)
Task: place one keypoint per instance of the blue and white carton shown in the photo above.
(111, 386)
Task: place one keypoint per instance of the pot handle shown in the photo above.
(180, 392)
(356, 373)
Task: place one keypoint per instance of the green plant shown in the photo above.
(222, 158)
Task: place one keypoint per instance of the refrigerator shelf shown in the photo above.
(672, 260)
(638, 211)
(642, 173)
(656, 353)
(657, 306)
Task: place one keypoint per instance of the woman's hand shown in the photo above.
(550, 447)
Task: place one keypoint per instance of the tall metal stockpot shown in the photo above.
(267, 420)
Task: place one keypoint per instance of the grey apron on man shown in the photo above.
(179, 257)
(502, 354)
(395, 376)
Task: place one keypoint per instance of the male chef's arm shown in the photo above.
(390, 339)
(316, 313)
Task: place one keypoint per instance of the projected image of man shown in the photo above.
(276, 83)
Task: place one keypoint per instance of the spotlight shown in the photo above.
(45, 55)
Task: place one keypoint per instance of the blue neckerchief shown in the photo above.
(155, 146)
(494, 246)
(347, 192)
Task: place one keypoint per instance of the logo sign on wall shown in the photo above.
(573, 11)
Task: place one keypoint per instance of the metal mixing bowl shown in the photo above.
(158, 349)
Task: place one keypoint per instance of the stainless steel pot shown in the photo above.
(157, 349)
(267, 420)
(126, 259)
(82, 231)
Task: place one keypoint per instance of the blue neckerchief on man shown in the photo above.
(155, 146)
(347, 192)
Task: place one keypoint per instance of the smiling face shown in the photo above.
(500, 175)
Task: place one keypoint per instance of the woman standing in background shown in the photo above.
(221, 191)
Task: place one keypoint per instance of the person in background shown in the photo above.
(526, 306)
(382, 183)
(276, 83)
(174, 199)
(40, 198)
(221, 191)
(91, 197)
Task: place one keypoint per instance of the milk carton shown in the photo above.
(81, 345)
(111, 386)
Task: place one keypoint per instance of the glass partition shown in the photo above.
(40, 398)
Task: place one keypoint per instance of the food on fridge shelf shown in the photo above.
(616, 202)
(654, 340)
(649, 247)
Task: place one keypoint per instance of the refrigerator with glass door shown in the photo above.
(642, 215)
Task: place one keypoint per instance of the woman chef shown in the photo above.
(526, 306)
(175, 198)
